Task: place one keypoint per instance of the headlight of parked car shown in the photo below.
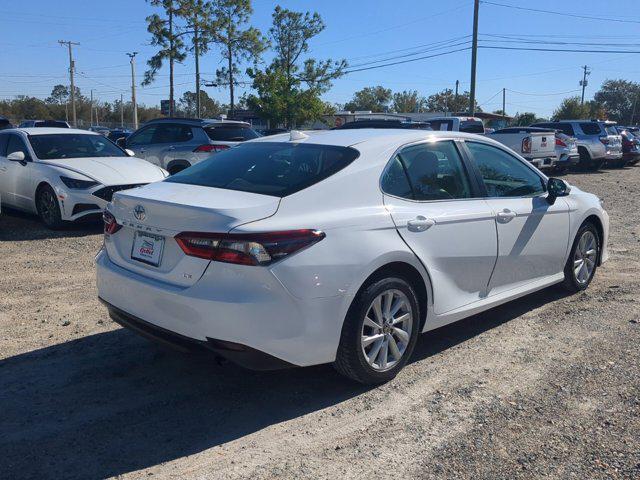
(78, 184)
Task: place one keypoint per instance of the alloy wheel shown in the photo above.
(47, 206)
(585, 257)
(386, 330)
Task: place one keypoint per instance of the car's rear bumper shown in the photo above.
(226, 307)
(241, 354)
(567, 160)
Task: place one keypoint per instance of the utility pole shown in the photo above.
(196, 51)
(72, 68)
(121, 112)
(474, 58)
(504, 102)
(91, 110)
(457, 86)
(584, 82)
(132, 57)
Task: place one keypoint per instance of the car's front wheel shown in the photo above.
(583, 260)
(49, 208)
(380, 331)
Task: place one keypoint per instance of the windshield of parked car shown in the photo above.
(611, 130)
(73, 145)
(270, 168)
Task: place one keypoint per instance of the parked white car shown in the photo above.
(341, 246)
(64, 174)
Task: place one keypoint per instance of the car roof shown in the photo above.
(196, 121)
(49, 131)
(351, 137)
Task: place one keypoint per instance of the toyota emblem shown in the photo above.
(139, 212)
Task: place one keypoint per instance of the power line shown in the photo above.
(563, 14)
(573, 50)
(409, 54)
(543, 94)
(408, 61)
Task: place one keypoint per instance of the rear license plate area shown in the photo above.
(147, 248)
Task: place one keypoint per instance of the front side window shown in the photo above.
(15, 144)
(73, 145)
(269, 168)
(142, 137)
(434, 172)
(503, 174)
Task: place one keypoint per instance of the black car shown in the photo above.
(5, 123)
(44, 123)
(118, 133)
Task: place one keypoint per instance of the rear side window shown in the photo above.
(434, 172)
(590, 128)
(270, 168)
(172, 133)
(395, 181)
(231, 133)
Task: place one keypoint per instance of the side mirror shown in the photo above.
(556, 188)
(131, 153)
(122, 142)
(17, 157)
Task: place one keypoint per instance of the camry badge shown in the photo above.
(139, 212)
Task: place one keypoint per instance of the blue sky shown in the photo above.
(31, 61)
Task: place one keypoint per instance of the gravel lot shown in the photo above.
(546, 386)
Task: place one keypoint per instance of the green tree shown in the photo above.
(409, 101)
(376, 99)
(164, 34)
(209, 107)
(289, 89)
(448, 101)
(237, 42)
(525, 119)
(570, 108)
(618, 98)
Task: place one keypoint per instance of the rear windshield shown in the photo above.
(231, 133)
(52, 123)
(73, 145)
(270, 168)
(611, 130)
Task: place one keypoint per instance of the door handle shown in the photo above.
(420, 224)
(506, 215)
(142, 150)
(172, 147)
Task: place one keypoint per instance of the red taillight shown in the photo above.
(246, 248)
(560, 143)
(110, 223)
(526, 145)
(211, 148)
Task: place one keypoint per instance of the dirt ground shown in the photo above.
(546, 386)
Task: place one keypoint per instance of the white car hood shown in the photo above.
(111, 170)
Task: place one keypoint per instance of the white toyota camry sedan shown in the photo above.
(63, 174)
(341, 246)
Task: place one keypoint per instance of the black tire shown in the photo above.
(49, 208)
(571, 281)
(350, 358)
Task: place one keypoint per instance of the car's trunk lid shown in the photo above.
(153, 215)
